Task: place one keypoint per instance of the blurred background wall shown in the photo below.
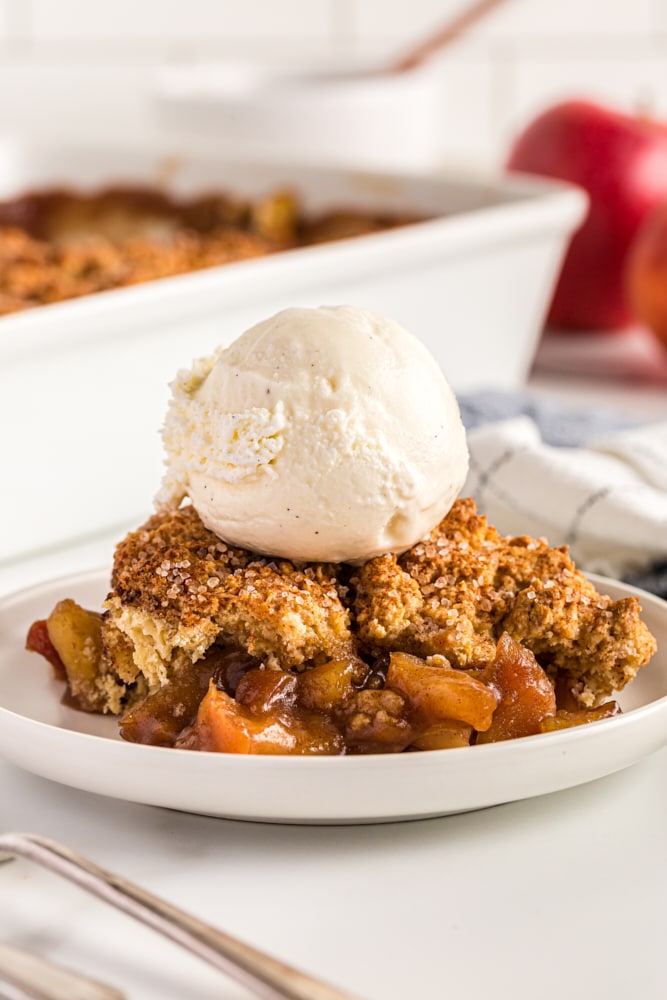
(73, 65)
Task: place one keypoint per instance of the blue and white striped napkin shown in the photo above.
(585, 480)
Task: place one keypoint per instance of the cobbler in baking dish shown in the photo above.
(62, 244)
(467, 637)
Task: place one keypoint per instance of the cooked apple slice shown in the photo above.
(443, 736)
(37, 641)
(564, 719)
(328, 686)
(526, 695)
(76, 636)
(441, 694)
(225, 726)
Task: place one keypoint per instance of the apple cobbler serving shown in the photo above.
(468, 637)
(310, 584)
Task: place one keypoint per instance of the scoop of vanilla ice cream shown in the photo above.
(320, 434)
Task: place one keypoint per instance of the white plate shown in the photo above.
(85, 751)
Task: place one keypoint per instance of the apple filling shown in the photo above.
(466, 638)
(229, 702)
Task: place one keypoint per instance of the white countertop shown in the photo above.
(559, 895)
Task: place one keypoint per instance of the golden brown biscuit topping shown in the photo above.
(466, 637)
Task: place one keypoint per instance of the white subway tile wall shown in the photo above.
(164, 20)
(75, 67)
(515, 20)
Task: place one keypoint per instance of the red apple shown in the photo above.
(621, 162)
(646, 273)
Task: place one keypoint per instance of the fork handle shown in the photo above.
(262, 974)
(42, 980)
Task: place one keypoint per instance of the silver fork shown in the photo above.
(263, 975)
(38, 979)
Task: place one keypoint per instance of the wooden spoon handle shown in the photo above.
(448, 33)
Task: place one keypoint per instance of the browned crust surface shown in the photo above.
(60, 244)
(455, 592)
(175, 570)
(452, 594)
(35, 272)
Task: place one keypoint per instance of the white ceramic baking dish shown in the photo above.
(83, 384)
